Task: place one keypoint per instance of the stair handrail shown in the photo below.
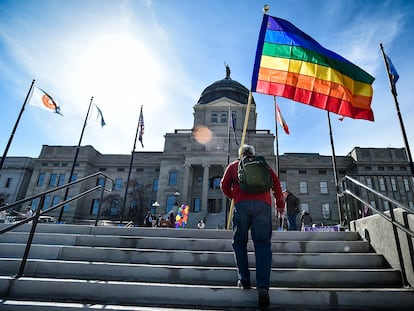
(35, 218)
(346, 182)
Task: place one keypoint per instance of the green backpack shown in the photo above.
(254, 175)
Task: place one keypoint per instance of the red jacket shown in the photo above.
(230, 186)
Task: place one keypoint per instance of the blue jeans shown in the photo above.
(292, 226)
(254, 215)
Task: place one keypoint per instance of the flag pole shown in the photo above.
(228, 160)
(3, 158)
(397, 107)
(130, 169)
(334, 168)
(277, 140)
(75, 159)
(246, 121)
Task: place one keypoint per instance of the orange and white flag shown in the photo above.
(43, 100)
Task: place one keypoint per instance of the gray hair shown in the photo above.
(247, 150)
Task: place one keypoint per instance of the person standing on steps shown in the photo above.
(292, 210)
(252, 211)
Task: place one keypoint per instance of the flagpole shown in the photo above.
(397, 107)
(334, 168)
(75, 159)
(228, 159)
(277, 140)
(3, 158)
(246, 121)
(130, 168)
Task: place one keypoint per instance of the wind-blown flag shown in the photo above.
(141, 127)
(289, 63)
(233, 125)
(96, 115)
(393, 74)
(44, 101)
(281, 120)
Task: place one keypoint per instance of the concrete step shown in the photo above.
(182, 233)
(198, 275)
(199, 258)
(189, 296)
(196, 244)
(116, 268)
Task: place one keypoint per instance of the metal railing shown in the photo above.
(39, 212)
(358, 200)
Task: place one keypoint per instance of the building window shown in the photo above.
(172, 179)
(121, 169)
(403, 168)
(390, 168)
(114, 211)
(302, 171)
(64, 164)
(155, 185)
(303, 187)
(282, 171)
(100, 181)
(197, 204)
(41, 179)
(44, 164)
(382, 184)
(214, 118)
(323, 186)
(56, 164)
(46, 202)
(368, 168)
(52, 180)
(8, 183)
(94, 207)
(223, 117)
(386, 206)
(380, 168)
(34, 204)
(304, 206)
(66, 208)
(393, 184)
(61, 179)
(406, 184)
(102, 169)
(214, 183)
(283, 184)
(74, 177)
(170, 203)
(118, 184)
(56, 200)
(326, 211)
(369, 182)
(322, 172)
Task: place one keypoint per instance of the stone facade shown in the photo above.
(189, 168)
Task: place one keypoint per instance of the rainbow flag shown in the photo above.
(289, 63)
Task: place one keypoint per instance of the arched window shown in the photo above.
(223, 117)
(214, 118)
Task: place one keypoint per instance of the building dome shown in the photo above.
(225, 88)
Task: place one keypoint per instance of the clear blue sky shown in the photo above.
(162, 54)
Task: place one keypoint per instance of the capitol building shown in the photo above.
(189, 169)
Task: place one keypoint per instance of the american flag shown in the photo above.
(141, 127)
